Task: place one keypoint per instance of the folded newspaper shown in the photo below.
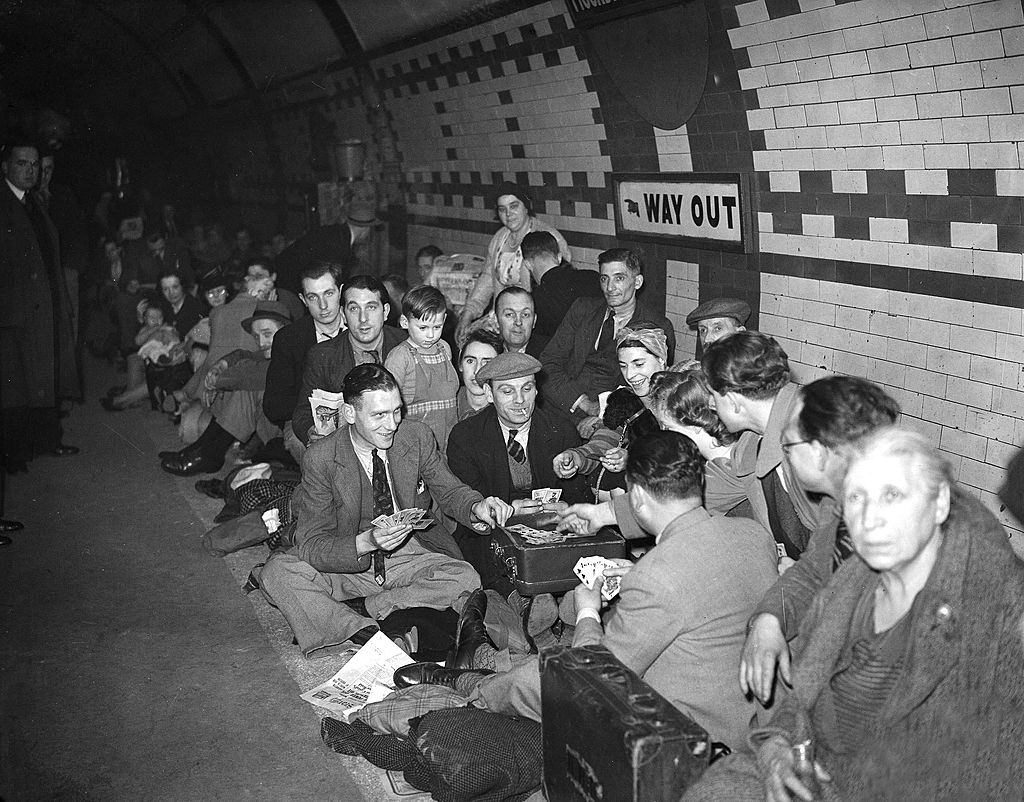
(367, 677)
(325, 406)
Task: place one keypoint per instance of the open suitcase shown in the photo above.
(609, 735)
(547, 567)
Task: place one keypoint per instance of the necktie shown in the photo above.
(515, 448)
(371, 357)
(844, 546)
(383, 504)
(607, 332)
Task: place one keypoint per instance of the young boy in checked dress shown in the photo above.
(422, 365)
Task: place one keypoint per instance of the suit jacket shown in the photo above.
(536, 345)
(326, 366)
(477, 455)
(571, 365)
(681, 618)
(729, 482)
(176, 259)
(558, 289)
(954, 722)
(284, 376)
(328, 502)
(36, 339)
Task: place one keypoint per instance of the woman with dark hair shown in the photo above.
(504, 266)
(910, 681)
(625, 412)
(681, 401)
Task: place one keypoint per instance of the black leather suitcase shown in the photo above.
(547, 567)
(609, 736)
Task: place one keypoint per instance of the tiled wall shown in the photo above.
(891, 206)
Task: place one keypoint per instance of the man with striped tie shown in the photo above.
(345, 570)
(829, 415)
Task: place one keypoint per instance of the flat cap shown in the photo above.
(720, 307)
(509, 365)
(270, 310)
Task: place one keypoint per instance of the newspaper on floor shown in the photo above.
(366, 678)
(325, 407)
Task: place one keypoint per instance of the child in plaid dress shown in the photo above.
(422, 365)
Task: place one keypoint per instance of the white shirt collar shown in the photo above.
(19, 193)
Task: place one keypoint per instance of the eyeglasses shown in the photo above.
(787, 446)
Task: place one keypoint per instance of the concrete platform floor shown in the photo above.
(132, 666)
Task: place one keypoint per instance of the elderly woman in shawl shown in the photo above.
(625, 412)
(909, 679)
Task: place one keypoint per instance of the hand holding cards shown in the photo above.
(546, 495)
(588, 569)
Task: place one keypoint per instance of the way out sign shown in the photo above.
(701, 209)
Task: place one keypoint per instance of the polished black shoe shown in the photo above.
(182, 464)
(7, 525)
(363, 635)
(431, 674)
(5, 541)
(64, 451)
(358, 606)
(165, 454)
(108, 404)
(471, 632)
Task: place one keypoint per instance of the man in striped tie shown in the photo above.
(345, 570)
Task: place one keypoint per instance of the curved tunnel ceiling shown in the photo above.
(152, 60)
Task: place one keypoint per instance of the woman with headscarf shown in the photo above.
(626, 414)
(504, 266)
(910, 680)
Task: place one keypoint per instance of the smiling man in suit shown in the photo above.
(580, 361)
(365, 305)
(344, 573)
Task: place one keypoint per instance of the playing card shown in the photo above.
(586, 569)
(546, 495)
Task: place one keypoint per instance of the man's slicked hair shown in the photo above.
(365, 379)
(667, 465)
(749, 363)
(366, 283)
(19, 141)
(630, 258)
(838, 410)
(537, 243)
(485, 336)
(322, 268)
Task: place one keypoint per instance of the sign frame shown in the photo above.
(747, 218)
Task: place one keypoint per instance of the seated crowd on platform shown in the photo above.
(809, 569)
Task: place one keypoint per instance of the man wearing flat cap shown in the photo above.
(718, 318)
(507, 450)
(234, 386)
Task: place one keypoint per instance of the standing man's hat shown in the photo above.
(269, 310)
(720, 307)
(509, 365)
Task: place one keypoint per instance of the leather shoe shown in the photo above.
(7, 525)
(64, 451)
(181, 464)
(471, 633)
(165, 454)
(108, 404)
(5, 541)
(431, 674)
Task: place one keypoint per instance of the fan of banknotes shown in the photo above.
(414, 516)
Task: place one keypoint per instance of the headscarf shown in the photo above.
(654, 340)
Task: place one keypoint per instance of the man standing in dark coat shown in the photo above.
(37, 358)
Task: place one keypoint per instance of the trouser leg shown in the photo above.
(45, 428)
(514, 693)
(416, 577)
(236, 412)
(310, 601)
